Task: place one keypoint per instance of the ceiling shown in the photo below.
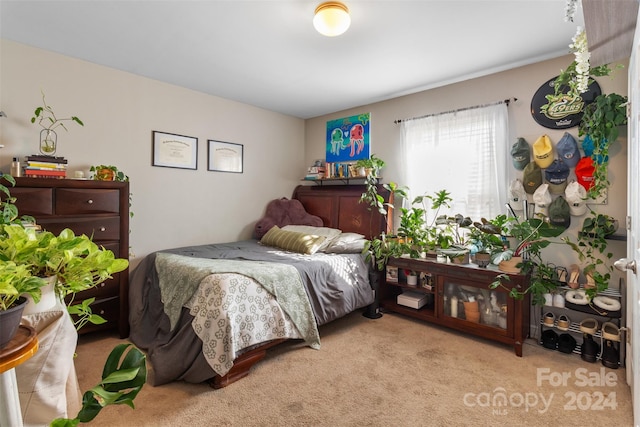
(266, 52)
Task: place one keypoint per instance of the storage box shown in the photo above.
(412, 299)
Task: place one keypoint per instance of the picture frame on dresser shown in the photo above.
(174, 151)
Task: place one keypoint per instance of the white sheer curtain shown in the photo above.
(463, 152)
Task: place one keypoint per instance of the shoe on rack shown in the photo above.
(566, 343)
(563, 322)
(610, 355)
(610, 331)
(589, 326)
(549, 318)
(549, 339)
(591, 283)
(562, 275)
(590, 349)
(574, 276)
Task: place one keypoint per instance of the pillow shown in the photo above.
(292, 240)
(329, 233)
(346, 246)
(345, 243)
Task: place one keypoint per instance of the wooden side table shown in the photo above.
(20, 349)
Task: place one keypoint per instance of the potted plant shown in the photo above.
(370, 166)
(16, 280)
(532, 235)
(49, 122)
(108, 173)
(486, 239)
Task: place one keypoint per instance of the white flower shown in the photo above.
(581, 52)
(570, 10)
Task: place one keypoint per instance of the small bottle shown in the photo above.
(16, 170)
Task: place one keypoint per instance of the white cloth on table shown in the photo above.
(47, 383)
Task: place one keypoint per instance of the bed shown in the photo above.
(210, 312)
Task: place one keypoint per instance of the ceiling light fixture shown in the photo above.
(331, 19)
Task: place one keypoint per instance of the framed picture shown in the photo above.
(225, 156)
(348, 139)
(174, 151)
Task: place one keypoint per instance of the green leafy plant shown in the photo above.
(76, 261)
(108, 173)
(17, 280)
(122, 379)
(532, 235)
(601, 120)
(47, 119)
(486, 235)
(373, 165)
(591, 247)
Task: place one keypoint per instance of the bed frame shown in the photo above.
(339, 207)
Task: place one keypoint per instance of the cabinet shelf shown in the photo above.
(480, 311)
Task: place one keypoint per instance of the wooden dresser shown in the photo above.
(95, 208)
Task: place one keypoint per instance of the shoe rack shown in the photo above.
(577, 316)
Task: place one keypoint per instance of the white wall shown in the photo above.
(520, 83)
(172, 207)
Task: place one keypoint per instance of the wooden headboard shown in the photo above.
(339, 207)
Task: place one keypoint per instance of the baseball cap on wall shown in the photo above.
(543, 151)
(542, 199)
(584, 172)
(557, 174)
(576, 196)
(568, 150)
(559, 213)
(521, 154)
(531, 177)
(517, 195)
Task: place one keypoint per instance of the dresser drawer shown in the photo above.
(103, 228)
(33, 201)
(107, 289)
(73, 201)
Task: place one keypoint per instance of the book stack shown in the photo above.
(39, 166)
(315, 172)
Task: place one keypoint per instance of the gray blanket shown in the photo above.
(280, 280)
(336, 285)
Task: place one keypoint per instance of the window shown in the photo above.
(463, 152)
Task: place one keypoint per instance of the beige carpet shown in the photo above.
(392, 371)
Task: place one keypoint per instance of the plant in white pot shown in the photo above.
(74, 263)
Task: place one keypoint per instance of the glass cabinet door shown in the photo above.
(475, 304)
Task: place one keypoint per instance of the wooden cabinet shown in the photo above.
(98, 209)
(459, 297)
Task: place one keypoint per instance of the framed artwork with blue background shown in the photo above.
(348, 139)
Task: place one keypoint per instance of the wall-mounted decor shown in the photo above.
(225, 156)
(348, 139)
(174, 151)
(560, 111)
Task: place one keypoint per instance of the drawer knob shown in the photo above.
(90, 201)
(101, 311)
(103, 229)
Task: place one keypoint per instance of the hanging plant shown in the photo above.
(601, 121)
